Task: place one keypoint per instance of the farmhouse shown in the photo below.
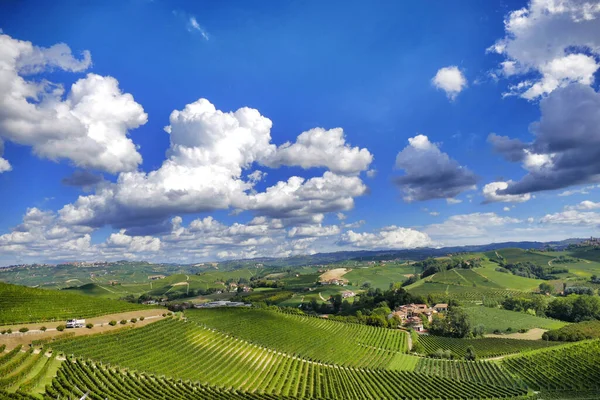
(347, 294)
(156, 277)
(441, 307)
(407, 311)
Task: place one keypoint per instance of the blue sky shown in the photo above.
(91, 173)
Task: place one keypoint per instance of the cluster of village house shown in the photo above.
(410, 314)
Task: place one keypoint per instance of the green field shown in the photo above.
(575, 332)
(485, 347)
(330, 341)
(499, 319)
(508, 281)
(565, 370)
(21, 304)
(380, 276)
(234, 363)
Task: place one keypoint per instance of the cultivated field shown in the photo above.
(499, 319)
(21, 304)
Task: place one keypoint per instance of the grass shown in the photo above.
(578, 331)
(507, 281)
(20, 304)
(498, 319)
(380, 276)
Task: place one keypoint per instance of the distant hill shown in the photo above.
(409, 254)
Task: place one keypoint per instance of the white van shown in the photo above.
(76, 323)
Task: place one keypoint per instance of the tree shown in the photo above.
(546, 288)
(470, 356)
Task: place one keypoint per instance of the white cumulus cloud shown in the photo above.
(87, 125)
(451, 80)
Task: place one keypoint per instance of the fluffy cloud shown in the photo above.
(558, 40)
(391, 237)
(322, 148)
(40, 235)
(585, 205)
(572, 217)
(4, 164)
(465, 228)
(88, 125)
(566, 149)
(491, 195)
(136, 244)
(429, 173)
(209, 152)
(451, 80)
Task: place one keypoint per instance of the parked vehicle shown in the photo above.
(76, 323)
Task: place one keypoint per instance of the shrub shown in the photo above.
(123, 321)
(509, 329)
(142, 318)
(169, 314)
(523, 330)
(497, 331)
(112, 323)
(43, 329)
(164, 315)
(133, 320)
(3, 332)
(24, 329)
(60, 328)
(9, 331)
(89, 325)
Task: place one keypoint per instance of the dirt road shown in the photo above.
(100, 325)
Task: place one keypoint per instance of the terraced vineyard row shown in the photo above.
(76, 378)
(24, 371)
(183, 350)
(569, 368)
(330, 341)
(476, 371)
(464, 293)
(484, 347)
(20, 304)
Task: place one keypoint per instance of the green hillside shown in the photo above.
(330, 341)
(563, 371)
(20, 304)
(499, 319)
(243, 366)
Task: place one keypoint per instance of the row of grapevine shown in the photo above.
(183, 350)
(330, 341)
(476, 371)
(20, 304)
(484, 347)
(23, 370)
(77, 378)
(570, 368)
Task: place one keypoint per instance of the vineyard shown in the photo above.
(25, 371)
(476, 371)
(485, 347)
(569, 368)
(230, 362)
(463, 293)
(330, 341)
(21, 304)
(498, 319)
